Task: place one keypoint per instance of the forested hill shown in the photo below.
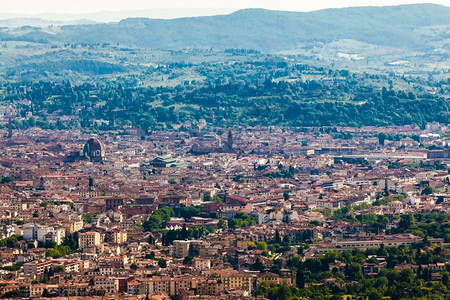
(405, 26)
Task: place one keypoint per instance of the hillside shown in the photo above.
(265, 30)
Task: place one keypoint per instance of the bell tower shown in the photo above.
(230, 142)
(10, 134)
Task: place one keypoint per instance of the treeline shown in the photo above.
(242, 51)
(84, 66)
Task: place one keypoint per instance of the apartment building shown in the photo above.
(37, 267)
(169, 285)
(88, 239)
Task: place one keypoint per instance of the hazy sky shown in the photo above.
(90, 6)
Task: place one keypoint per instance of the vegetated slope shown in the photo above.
(267, 30)
(241, 103)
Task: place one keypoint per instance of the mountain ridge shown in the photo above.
(264, 30)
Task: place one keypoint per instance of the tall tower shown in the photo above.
(230, 142)
(9, 128)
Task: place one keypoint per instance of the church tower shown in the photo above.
(230, 142)
(10, 128)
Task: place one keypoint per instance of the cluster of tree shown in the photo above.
(161, 261)
(375, 222)
(157, 218)
(209, 198)
(310, 275)
(58, 251)
(241, 51)
(386, 200)
(342, 213)
(282, 173)
(260, 245)
(238, 178)
(6, 179)
(71, 241)
(397, 286)
(342, 135)
(15, 267)
(14, 294)
(196, 211)
(48, 273)
(436, 165)
(282, 244)
(11, 242)
(436, 225)
(382, 137)
(241, 219)
(88, 218)
(192, 232)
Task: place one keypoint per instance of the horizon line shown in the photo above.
(215, 11)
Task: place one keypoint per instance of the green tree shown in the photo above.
(184, 232)
(445, 279)
(188, 260)
(222, 224)
(277, 237)
(251, 245)
(258, 265)
(407, 276)
(11, 242)
(427, 191)
(241, 220)
(207, 197)
(375, 295)
(300, 279)
(155, 221)
(12, 294)
(162, 263)
(407, 222)
(46, 293)
(353, 271)
(382, 138)
(58, 269)
(282, 292)
(217, 200)
(261, 246)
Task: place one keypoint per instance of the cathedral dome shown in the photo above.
(94, 149)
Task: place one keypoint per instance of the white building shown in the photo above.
(43, 233)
